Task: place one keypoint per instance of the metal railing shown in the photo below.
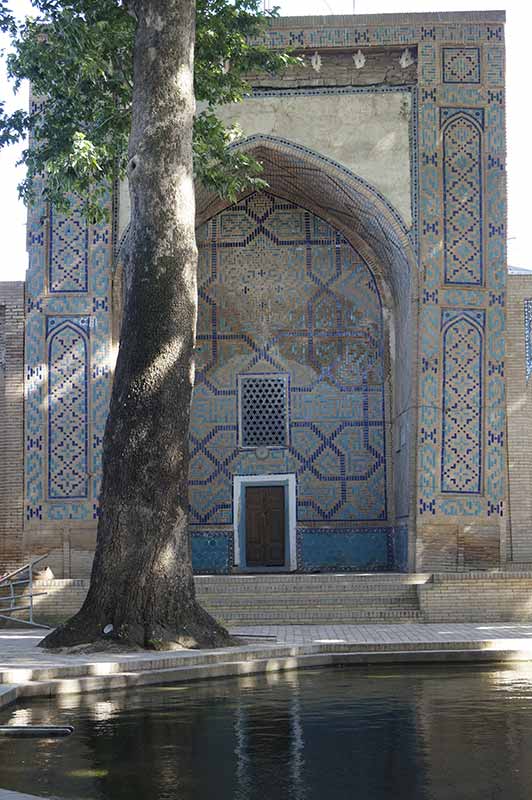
(12, 593)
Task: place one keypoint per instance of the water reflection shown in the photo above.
(430, 734)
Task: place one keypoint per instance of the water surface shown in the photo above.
(370, 734)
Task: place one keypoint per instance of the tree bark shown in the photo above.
(142, 580)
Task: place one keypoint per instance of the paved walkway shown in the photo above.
(18, 648)
(27, 671)
(404, 633)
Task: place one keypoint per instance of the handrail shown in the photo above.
(10, 575)
(7, 583)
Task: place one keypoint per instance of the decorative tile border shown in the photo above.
(461, 65)
(528, 336)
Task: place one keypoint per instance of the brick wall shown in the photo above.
(11, 423)
(519, 405)
(477, 597)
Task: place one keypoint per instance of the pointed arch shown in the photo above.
(68, 422)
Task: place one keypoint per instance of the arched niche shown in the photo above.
(377, 232)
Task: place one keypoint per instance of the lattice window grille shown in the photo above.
(263, 407)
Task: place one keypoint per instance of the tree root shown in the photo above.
(195, 629)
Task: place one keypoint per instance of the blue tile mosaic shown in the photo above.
(68, 257)
(283, 292)
(68, 357)
(211, 552)
(462, 187)
(461, 64)
(463, 344)
(67, 344)
(345, 550)
(400, 548)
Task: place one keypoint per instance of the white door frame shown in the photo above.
(288, 481)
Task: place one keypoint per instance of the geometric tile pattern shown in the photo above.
(462, 186)
(528, 337)
(67, 363)
(462, 342)
(484, 105)
(280, 291)
(461, 64)
(68, 258)
(67, 401)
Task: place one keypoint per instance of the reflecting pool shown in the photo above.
(440, 734)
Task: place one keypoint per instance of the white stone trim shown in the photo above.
(285, 479)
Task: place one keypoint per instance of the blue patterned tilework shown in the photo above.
(400, 548)
(460, 64)
(462, 342)
(332, 550)
(282, 292)
(35, 436)
(68, 357)
(482, 106)
(528, 336)
(212, 551)
(495, 65)
(68, 257)
(67, 341)
(462, 186)
(408, 33)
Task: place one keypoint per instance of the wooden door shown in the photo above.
(265, 526)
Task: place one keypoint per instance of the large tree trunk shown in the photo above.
(142, 579)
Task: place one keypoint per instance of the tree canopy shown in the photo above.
(78, 55)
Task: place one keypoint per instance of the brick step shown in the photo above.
(326, 608)
(310, 592)
(305, 577)
(307, 597)
(308, 601)
(317, 617)
(295, 588)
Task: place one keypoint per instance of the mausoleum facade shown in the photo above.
(351, 409)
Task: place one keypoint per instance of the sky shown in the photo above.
(13, 261)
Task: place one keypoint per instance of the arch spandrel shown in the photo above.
(334, 193)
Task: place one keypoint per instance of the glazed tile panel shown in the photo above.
(282, 292)
(68, 258)
(462, 342)
(67, 344)
(462, 195)
(68, 363)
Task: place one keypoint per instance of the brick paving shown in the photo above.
(19, 647)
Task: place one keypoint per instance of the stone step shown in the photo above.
(303, 599)
(237, 587)
(253, 588)
(309, 591)
(322, 577)
(308, 601)
(316, 616)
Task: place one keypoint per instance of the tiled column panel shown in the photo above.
(68, 337)
(461, 462)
